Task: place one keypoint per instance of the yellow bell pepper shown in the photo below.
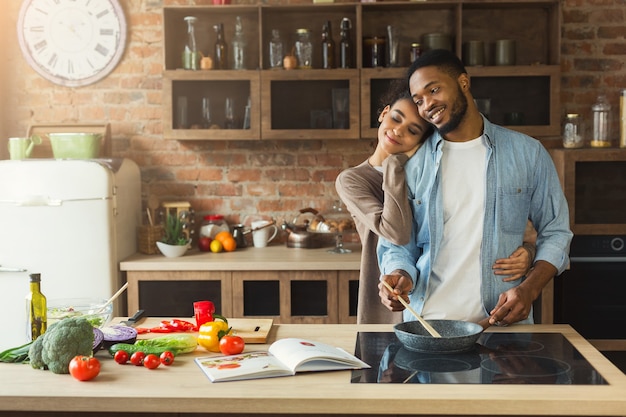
(210, 333)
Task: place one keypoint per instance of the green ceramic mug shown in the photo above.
(22, 148)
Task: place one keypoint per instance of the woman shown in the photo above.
(375, 193)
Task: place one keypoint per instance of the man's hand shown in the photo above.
(401, 284)
(515, 304)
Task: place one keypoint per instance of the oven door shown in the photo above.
(591, 295)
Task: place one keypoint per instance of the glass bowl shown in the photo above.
(89, 308)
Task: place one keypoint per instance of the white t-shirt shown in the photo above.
(454, 290)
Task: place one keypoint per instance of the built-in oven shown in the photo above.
(591, 294)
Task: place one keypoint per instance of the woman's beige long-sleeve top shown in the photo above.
(379, 204)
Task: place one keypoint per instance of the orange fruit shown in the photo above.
(216, 246)
(223, 235)
(229, 244)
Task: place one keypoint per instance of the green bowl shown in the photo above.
(75, 145)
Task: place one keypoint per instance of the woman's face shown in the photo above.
(401, 128)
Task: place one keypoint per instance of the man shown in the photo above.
(473, 187)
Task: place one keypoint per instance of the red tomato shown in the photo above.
(151, 361)
(204, 243)
(84, 368)
(121, 357)
(167, 358)
(231, 345)
(137, 358)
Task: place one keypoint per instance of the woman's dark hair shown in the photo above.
(398, 90)
(444, 59)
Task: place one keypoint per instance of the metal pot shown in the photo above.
(298, 235)
(456, 336)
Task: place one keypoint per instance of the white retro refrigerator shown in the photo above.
(72, 221)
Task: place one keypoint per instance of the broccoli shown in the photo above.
(60, 343)
(34, 354)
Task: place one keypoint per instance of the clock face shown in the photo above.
(72, 42)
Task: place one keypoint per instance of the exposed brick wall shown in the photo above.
(246, 177)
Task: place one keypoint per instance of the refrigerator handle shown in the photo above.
(35, 201)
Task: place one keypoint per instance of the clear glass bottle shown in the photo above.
(572, 131)
(601, 110)
(345, 46)
(304, 49)
(191, 55)
(238, 46)
(220, 54)
(36, 309)
(328, 46)
(276, 50)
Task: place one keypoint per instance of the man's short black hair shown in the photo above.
(444, 59)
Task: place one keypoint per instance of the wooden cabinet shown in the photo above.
(285, 284)
(311, 103)
(284, 296)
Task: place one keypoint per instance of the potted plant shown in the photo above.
(174, 242)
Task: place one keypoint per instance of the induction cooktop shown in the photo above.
(497, 358)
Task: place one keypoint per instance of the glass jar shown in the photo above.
(374, 51)
(212, 224)
(601, 110)
(304, 49)
(572, 131)
(415, 51)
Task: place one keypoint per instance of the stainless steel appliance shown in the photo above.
(591, 295)
(70, 220)
(497, 358)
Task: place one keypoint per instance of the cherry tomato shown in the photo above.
(167, 358)
(137, 358)
(231, 345)
(84, 368)
(121, 357)
(151, 361)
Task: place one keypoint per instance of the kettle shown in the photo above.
(298, 234)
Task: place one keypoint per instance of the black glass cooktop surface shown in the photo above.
(497, 358)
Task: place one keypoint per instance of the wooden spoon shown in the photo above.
(428, 327)
(153, 205)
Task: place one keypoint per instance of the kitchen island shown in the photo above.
(182, 389)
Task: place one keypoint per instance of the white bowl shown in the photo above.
(89, 308)
(172, 251)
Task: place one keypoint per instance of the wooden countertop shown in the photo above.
(183, 388)
(270, 258)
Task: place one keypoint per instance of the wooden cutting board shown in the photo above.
(252, 330)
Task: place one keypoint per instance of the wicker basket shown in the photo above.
(147, 237)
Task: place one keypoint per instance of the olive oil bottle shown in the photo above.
(36, 309)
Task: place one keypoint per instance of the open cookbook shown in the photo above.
(285, 357)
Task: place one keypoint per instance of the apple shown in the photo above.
(204, 243)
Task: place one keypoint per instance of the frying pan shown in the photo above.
(456, 336)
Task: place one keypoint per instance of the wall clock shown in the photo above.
(72, 42)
